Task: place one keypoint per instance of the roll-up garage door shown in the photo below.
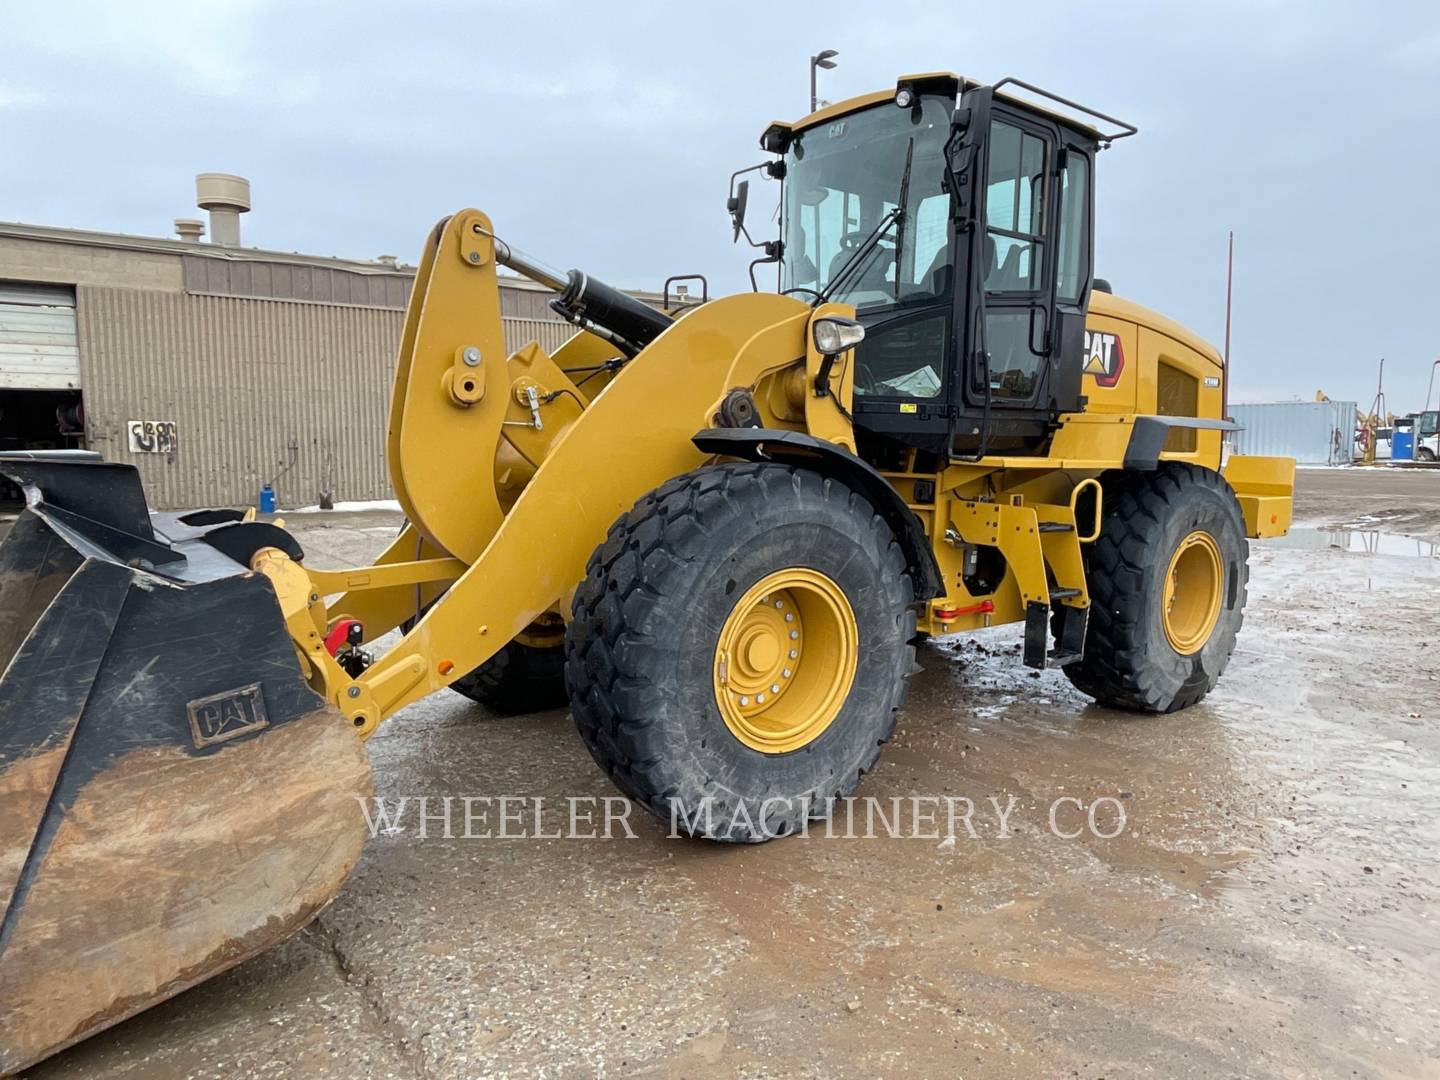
(38, 350)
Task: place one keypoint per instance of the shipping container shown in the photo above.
(1312, 432)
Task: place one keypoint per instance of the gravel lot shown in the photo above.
(1268, 909)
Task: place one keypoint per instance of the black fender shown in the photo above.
(1147, 437)
(835, 462)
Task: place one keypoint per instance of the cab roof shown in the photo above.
(948, 80)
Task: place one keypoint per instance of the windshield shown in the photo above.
(842, 178)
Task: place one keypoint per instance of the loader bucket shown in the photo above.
(174, 798)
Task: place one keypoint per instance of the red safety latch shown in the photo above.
(344, 632)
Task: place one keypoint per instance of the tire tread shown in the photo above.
(617, 639)
(1113, 669)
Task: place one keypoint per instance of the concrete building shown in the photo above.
(213, 367)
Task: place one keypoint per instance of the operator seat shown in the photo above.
(1007, 277)
(872, 276)
(937, 277)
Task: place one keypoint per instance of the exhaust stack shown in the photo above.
(226, 196)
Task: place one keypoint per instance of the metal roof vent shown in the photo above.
(191, 229)
(226, 197)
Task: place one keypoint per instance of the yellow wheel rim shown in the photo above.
(785, 660)
(1193, 591)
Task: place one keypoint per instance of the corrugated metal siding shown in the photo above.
(1312, 432)
(294, 281)
(549, 334)
(244, 379)
(525, 303)
(208, 275)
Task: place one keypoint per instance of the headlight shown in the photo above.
(834, 335)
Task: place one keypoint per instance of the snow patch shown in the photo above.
(352, 507)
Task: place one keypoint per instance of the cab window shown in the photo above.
(1074, 230)
(1014, 209)
(1015, 224)
(843, 181)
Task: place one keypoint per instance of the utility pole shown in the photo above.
(825, 58)
(1229, 283)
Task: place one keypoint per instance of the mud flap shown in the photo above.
(174, 798)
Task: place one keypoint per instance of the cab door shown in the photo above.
(1028, 219)
(1015, 260)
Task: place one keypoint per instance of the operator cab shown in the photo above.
(957, 219)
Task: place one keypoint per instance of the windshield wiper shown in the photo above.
(900, 208)
(864, 250)
(868, 246)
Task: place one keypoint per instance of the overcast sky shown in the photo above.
(602, 136)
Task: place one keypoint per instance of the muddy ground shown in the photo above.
(1396, 500)
(1268, 909)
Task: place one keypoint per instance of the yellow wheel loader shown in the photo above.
(719, 536)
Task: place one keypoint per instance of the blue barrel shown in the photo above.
(267, 499)
(1402, 446)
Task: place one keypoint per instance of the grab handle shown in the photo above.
(1089, 481)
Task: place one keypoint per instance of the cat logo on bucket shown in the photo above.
(222, 717)
(1103, 357)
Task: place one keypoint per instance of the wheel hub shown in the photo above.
(1194, 586)
(785, 660)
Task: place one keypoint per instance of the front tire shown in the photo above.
(1167, 581)
(715, 589)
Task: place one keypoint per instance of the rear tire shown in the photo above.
(1175, 533)
(518, 679)
(649, 658)
(1425, 454)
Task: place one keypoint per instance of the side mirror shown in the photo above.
(736, 205)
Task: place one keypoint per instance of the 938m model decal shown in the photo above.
(1104, 358)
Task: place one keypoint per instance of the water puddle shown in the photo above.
(1361, 541)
